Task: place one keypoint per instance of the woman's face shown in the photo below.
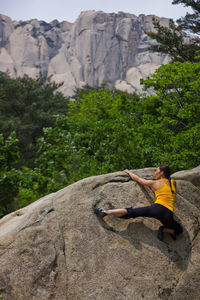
(158, 173)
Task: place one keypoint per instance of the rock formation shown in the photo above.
(57, 249)
(98, 48)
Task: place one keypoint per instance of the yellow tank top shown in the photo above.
(164, 195)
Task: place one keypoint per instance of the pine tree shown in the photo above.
(191, 22)
(181, 41)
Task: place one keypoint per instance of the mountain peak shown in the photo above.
(99, 48)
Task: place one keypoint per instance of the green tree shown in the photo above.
(191, 21)
(27, 106)
(9, 176)
(17, 187)
(174, 40)
(171, 124)
(96, 137)
(31, 186)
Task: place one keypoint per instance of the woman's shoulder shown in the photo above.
(158, 183)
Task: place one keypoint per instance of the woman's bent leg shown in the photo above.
(119, 212)
(145, 211)
(171, 226)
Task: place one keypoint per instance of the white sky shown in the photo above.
(69, 10)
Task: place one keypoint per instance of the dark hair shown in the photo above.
(167, 172)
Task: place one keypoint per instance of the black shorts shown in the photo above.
(156, 211)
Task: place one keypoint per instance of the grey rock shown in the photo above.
(98, 48)
(192, 175)
(27, 47)
(6, 29)
(56, 248)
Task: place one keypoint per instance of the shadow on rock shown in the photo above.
(137, 233)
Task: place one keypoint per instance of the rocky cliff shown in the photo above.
(57, 249)
(98, 48)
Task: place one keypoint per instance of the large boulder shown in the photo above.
(56, 248)
(190, 175)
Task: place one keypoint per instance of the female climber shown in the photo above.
(162, 209)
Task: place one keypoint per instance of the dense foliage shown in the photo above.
(176, 108)
(26, 107)
(9, 176)
(97, 136)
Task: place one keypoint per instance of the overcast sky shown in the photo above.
(69, 10)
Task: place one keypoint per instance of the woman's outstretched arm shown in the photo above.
(150, 183)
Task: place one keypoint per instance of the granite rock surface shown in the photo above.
(57, 248)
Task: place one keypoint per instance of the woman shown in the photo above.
(163, 207)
